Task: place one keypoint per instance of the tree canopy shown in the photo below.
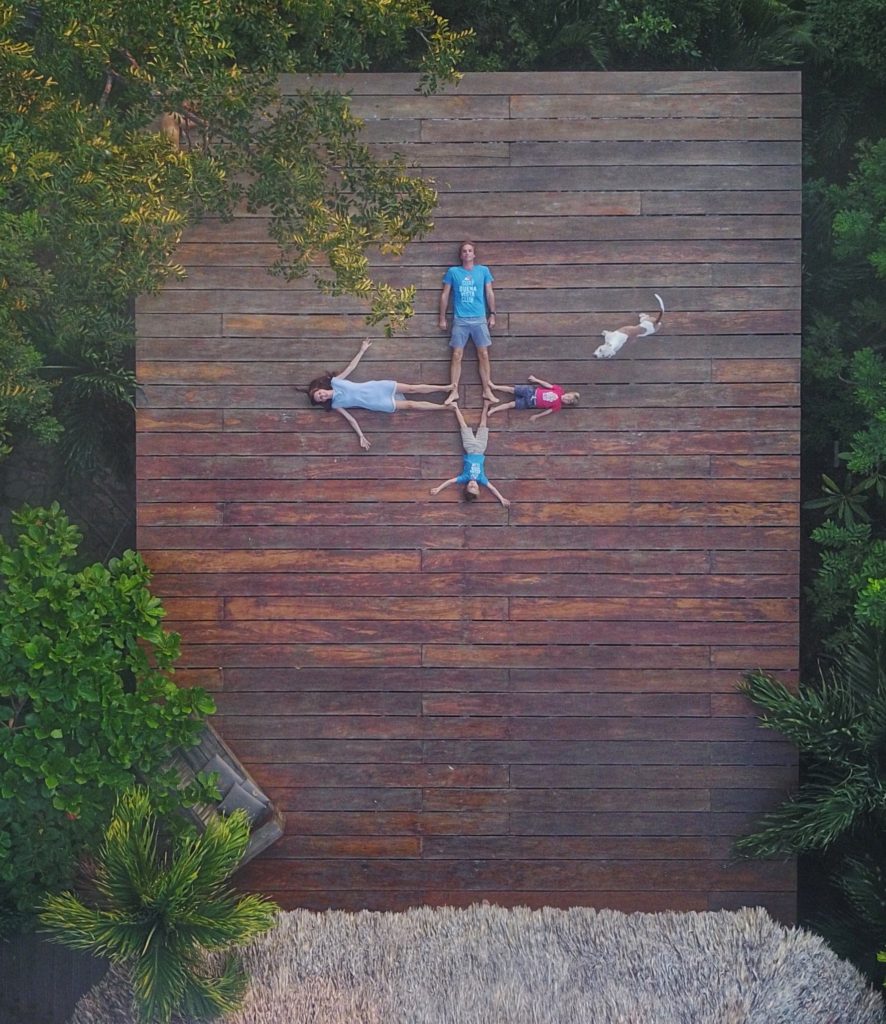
(122, 123)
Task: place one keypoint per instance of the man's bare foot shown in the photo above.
(489, 397)
(452, 397)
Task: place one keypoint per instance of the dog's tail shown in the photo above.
(657, 320)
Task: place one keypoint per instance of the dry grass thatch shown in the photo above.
(489, 965)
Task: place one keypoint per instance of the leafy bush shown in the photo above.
(87, 704)
(158, 909)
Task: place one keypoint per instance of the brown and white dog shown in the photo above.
(614, 340)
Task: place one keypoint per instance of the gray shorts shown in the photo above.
(474, 444)
(471, 327)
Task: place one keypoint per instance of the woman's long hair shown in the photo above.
(325, 383)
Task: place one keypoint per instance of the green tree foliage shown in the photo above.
(121, 123)
(87, 705)
(160, 907)
(838, 815)
(629, 34)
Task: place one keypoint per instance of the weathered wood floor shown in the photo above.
(535, 705)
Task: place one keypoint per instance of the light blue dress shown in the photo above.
(375, 395)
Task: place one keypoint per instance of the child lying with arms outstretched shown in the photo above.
(473, 474)
(537, 395)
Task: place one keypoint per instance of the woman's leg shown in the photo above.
(421, 389)
(408, 404)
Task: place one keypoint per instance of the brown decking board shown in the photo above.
(459, 702)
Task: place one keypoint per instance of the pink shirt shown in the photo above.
(549, 398)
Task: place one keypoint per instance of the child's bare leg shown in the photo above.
(485, 370)
(505, 387)
(484, 415)
(502, 408)
(454, 374)
(458, 415)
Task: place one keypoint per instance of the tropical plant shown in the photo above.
(838, 815)
(158, 907)
(87, 704)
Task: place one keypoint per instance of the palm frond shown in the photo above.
(814, 819)
(210, 996)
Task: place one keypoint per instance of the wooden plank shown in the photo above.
(343, 773)
(709, 203)
(458, 584)
(634, 777)
(688, 417)
(312, 560)
(672, 152)
(439, 254)
(513, 634)
(386, 609)
(534, 325)
(242, 728)
(549, 129)
(528, 180)
(582, 83)
(642, 105)
(221, 277)
(631, 609)
(566, 875)
(304, 655)
(426, 353)
(297, 544)
(517, 300)
(574, 705)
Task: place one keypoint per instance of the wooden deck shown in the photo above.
(459, 702)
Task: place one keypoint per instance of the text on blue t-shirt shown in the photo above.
(468, 289)
(472, 469)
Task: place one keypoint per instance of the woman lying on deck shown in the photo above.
(337, 392)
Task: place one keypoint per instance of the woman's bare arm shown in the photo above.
(352, 365)
(355, 426)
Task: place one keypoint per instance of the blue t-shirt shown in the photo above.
(472, 469)
(468, 290)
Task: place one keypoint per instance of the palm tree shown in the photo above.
(160, 908)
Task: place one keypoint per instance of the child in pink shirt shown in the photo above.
(547, 397)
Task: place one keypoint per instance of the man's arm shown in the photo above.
(444, 485)
(539, 415)
(444, 302)
(355, 426)
(538, 380)
(498, 494)
(490, 303)
(352, 365)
